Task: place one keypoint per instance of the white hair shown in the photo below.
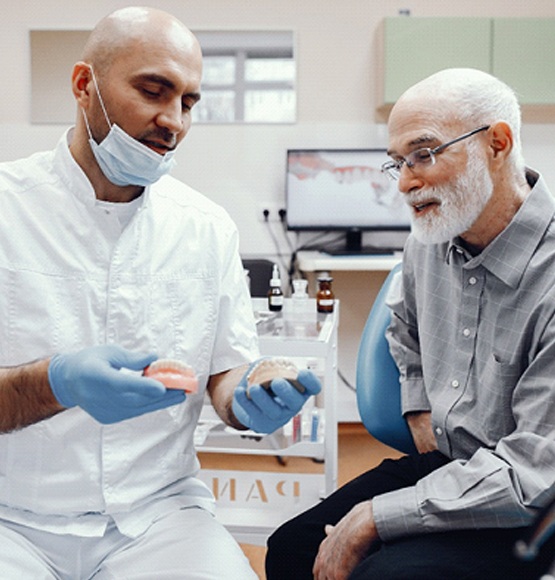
(475, 98)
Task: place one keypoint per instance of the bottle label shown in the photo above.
(325, 302)
(276, 300)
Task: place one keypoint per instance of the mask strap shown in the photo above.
(99, 98)
(87, 123)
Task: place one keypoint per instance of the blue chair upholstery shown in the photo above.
(377, 379)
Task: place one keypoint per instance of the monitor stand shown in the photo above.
(353, 247)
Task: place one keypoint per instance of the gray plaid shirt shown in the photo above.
(474, 338)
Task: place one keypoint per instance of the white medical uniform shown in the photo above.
(71, 277)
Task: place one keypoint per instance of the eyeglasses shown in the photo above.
(422, 157)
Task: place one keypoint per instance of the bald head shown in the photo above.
(141, 71)
(123, 30)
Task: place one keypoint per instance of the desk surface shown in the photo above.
(320, 261)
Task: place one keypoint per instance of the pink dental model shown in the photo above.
(173, 374)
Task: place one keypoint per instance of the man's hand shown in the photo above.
(92, 380)
(347, 544)
(264, 412)
(420, 425)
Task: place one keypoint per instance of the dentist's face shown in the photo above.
(149, 91)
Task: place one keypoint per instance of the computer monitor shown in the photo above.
(343, 190)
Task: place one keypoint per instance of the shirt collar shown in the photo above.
(509, 254)
(74, 177)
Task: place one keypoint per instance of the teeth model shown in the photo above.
(173, 374)
(272, 368)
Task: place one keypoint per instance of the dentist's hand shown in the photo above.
(265, 412)
(92, 380)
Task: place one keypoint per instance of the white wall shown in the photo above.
(238, 165)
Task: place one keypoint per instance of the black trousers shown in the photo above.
(470, 554)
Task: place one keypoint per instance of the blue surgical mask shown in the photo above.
(124, 160)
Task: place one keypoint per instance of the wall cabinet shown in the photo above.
(415, 48)
(523, 55)
(520, 51)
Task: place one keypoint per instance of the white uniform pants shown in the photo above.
(188, 544)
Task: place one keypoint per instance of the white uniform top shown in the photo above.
(171, 282)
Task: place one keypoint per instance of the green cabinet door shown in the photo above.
(524, 57)
(416, 47)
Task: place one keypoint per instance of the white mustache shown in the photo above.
(430, 195)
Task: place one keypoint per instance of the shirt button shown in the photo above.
(439, 431)
(466, 332)
(455, 384)
(472, 281)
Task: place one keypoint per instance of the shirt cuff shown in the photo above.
(396, 514)
(413, 396)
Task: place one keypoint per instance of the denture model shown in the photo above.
(272, 368)
(173, 374)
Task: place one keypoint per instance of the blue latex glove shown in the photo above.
(91, 379)
(263, 412)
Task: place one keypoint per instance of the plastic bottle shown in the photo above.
(315, 429)
(325, 297)
(299, 298)
(275, 294)
(300, 286)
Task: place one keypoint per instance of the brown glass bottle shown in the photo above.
(325, 297)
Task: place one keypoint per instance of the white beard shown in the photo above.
(461, 203)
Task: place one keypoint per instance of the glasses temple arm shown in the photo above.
(440, 148)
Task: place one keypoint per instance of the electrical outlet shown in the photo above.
(273, 209)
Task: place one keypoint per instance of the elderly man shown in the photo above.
(473, 334)
(106, 262)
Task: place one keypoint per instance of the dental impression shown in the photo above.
(272, 368)
(173, 374)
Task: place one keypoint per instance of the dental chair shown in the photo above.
(377, 378)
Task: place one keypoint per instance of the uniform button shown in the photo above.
(439, 431)
(472, 281)
(466, 332)
(455, 384)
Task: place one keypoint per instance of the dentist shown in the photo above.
(106, 263)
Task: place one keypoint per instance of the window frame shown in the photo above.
(242, 46)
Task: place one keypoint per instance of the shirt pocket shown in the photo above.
(497, 384)
(44, 313)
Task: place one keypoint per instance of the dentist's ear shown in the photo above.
(81, 78)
